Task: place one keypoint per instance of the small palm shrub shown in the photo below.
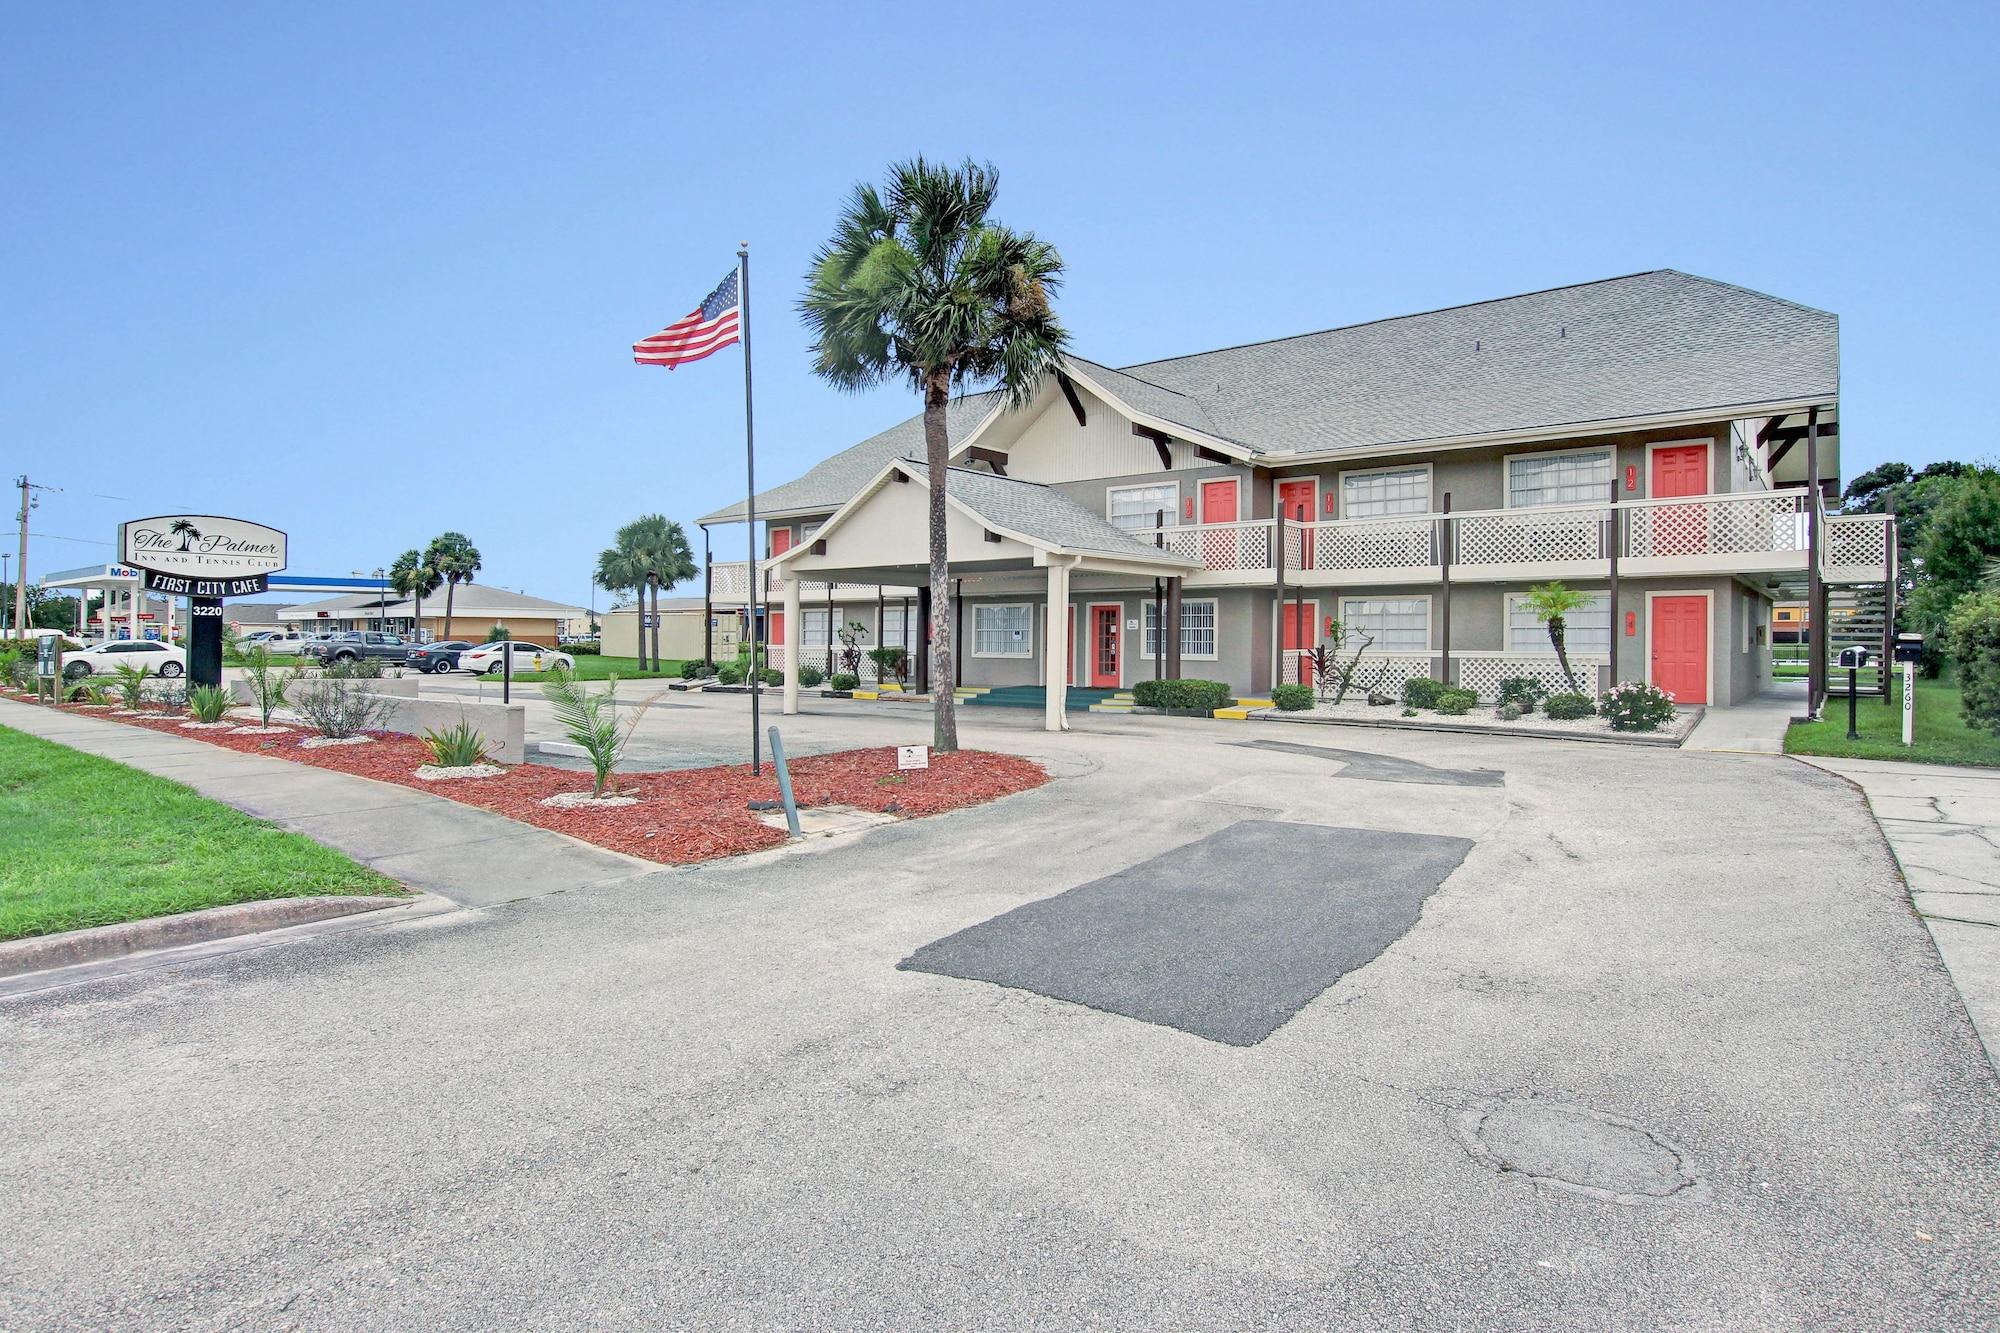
(1293, 698)
(590, 719)
(844, 680)
(130, 682)
(811, 676)
(209, 703)
(460, 745)
(1569, 707)
(268, 682)
(498, 634)
(1454, 702)
(1523, 692)
(338, 707)
(1632, 706)
(1422, 692)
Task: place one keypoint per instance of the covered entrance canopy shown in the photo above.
(1008, 535)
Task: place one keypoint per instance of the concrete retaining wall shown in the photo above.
(505, 726)
(405, 688)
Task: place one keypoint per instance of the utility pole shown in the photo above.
(21, 566)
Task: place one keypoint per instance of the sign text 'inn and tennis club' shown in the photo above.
(202, 555)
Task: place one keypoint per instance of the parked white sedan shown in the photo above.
(488, 659)
(164, 659)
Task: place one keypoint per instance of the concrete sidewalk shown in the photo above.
(473, 857)
(1755, 726)
(1943, 823)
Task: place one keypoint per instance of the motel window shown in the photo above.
(1586, 630)
(1136, 507)
(1397, 624)
(813, 626)
(1003, 630)
(1197, 628)
(1383, 492)
(1558, 479)
(896, 632)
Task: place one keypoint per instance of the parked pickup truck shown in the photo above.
(355, 644)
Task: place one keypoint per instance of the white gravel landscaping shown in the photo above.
(441, 773)
(583, 800)
(259, 731)
(1483, 719)
(207, 726)
(322, 742)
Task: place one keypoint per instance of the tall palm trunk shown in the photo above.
(937, 455)
(640, 606)
(418, 632)
(1557, 632)
(654, 580)
(450, 589)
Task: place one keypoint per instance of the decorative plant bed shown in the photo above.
(1481, 720)
(677, 817)
(437, 773)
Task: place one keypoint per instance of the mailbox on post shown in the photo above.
(1909, 650)
(1851, 661)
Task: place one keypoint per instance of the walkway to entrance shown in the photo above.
(1078, 698)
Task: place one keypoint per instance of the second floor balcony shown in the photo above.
(1745, 532)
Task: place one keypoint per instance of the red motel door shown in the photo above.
(1297, 641)
(1296, 497)
(781, 541)
(1104, 645)
(1681, 469)
(1680, 647)
(1218, 501)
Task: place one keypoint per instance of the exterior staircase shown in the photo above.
(1121, 702)
(1240, 710)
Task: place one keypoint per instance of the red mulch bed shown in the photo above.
(692, 815)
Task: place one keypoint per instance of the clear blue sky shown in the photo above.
(370, 271)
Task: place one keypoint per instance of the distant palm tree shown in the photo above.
(185, 530)
(619, 571)
(1550, 603)
(413, 576)
(456, 560)
(918, 284)
(649, 553)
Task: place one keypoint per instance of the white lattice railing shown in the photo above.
(1483, 671)
(1753, 523)
(1369, 543)
(1222, 546)
(1385, 671)
(1856, 542)
(1528, 536)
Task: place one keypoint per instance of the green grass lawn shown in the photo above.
(1941, 734)
(597, 668)
(89, 842)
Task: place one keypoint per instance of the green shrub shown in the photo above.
(1631, 706)
(1972, 639)
(589, 718)
(1569, 707)
(460, 745)
(131, 684)
(209, 703)
(585, 650)
(811, 676)
(891, 663)
(499, 634)
(844, 680)
(1508, 712)
(706, 671)
(1523, 692)
(1293, 698)
(730, 673)
(690, 669)
(1194, 696)
(355, 668)
(773, 676)
(1455, 702)
(338, 707)
(1422, 692)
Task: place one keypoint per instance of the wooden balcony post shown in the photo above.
(1890, 553)
(923, 639)
(1612, 540)
(1174, 619)
(1278, 566)
(1444, 591)
(1815, 588)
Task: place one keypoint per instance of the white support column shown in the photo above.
(1056, 652)
(132, 617)
(794, 636)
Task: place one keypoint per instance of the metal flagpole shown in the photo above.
(750, 475)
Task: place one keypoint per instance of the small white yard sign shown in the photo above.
(913, 756)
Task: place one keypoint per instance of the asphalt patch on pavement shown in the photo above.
(1575, 1148)
(1224, 938)
(1383, 767)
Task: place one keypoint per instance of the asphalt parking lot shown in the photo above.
(1662, 1046)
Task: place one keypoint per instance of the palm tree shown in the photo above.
(414, 577)
(455, 559)
(1550, 602)
(185, 530)
(652, 553)
(918, 284)
(618, 571)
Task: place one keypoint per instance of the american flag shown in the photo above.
(707, 329)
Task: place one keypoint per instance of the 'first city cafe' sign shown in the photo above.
(202, 555)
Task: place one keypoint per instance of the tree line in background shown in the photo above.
(449, 560)
(1948, 531)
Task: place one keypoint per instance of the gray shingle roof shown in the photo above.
(1621, 348)
(1036, 511)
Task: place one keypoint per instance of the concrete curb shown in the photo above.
(39, 953)
(1507, 729)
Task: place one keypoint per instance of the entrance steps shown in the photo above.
(1121, 702)
(1240, 710)
(965, 692)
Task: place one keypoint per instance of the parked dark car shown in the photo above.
(437, 658)
(359, 643)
